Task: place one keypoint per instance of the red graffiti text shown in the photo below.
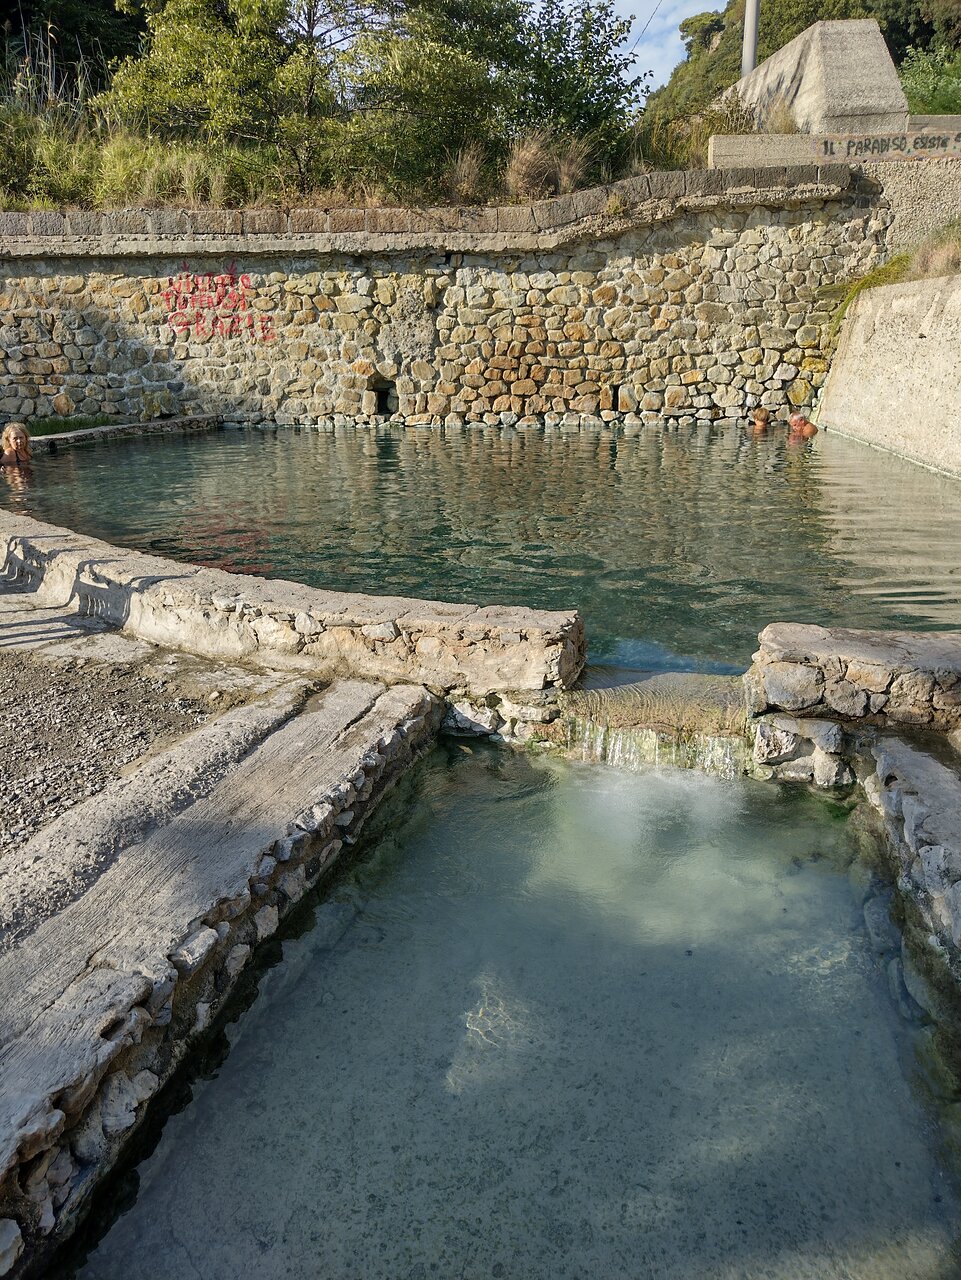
(206, 305)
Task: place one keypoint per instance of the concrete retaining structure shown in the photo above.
(58, 440)
(894, 377)
(673, 294)
(835, 77)
(500, 669)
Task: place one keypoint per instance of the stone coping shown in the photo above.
(896, 677)
(121, 430)
(592, 214)
(457, 650)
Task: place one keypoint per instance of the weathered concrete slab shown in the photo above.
(898, 677)
(455, 649)
(59, 440)
(727, 151)
(55, 867)
(908, 333)
(102, 997)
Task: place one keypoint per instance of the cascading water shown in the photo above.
(693, 721)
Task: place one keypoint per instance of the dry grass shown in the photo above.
(937, 255)
(466, 178)
(779, 119)
(681, 143)
(530, 166)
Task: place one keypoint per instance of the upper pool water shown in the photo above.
(561, 1023)
(677, 545)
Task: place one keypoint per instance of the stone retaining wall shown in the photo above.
(499, 668)
(674, 294)
(896, 678)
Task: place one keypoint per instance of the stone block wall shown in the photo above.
(892, 677)
(676, 294)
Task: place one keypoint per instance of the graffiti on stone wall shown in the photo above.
(215, 305)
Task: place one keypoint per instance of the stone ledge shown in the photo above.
(597, 213)
(104, 999)
(902, 678)
(454, 649)
(121, 430)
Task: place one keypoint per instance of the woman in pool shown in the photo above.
(15, 446)
(760, 420)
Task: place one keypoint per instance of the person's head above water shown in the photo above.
(761, 417)
(15, 441)
(801, 426)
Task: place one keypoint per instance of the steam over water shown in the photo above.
(677, 545)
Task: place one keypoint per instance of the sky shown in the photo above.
(660, 48)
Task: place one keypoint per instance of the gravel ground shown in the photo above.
(68, 728)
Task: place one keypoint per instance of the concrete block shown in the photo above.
(264, 221)
(343, 221)
(304, 220)
(125, 222)
(668, 185)
(516, 218)
(14, 224)
(835, 77)
(175, 222)
(47, 222)
(80, 222)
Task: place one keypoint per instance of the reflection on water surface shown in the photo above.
(562, 1022)
(672, 542)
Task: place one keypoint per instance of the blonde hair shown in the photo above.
(6, 440)
(761, 413)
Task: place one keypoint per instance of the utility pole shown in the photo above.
(749, 48)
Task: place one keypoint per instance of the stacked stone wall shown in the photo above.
(679, 295)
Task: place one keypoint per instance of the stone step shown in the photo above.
(101, 999)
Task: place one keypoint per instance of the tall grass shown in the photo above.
(680, 142)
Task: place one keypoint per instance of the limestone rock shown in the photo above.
(881, 928)
(791, 685)
(11, 1244)
(845, 698)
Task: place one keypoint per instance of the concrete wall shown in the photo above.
(894, 380)
(679, 294)
(922, 197)
(835, 77)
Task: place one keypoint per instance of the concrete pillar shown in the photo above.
(749, 48)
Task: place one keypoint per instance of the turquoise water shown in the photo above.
(560, 1022)
(677, 545)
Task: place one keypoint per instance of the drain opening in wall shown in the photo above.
(386, 393)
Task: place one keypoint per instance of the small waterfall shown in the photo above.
(682, 719)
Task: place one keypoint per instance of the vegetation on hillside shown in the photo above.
(233, 101)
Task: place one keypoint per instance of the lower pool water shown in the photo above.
(559, 1021)
(677, 544)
